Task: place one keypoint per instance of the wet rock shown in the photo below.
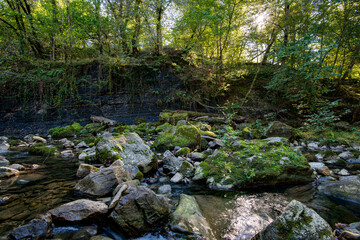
(130, 148)
(343, 172)
(35, 229)
(349, 232)
(4, 161)
(297, 222)
(346, 190)
(178, 177)
(187, 169)
(84, 170)
(182, 151)
(181, 135)
(82, 156)
(199, 174)
(82, 145)
(32, 138)
(163, 179)
(99, 237)
(188, 218)
(118, 195)
(313, 146)
(320, 168)
(6, 172)
(84, 233)
(67, 154)
(276, 140)
(164, 189)
(140, 211)
(43, 150)
(346, 155)
(4, 146)
(4, 199)
(18, 167)
(79, 210)
(353, 164)
(103, 181)
(172, 164)
(196, 156)
(279, 129)
(103, 121)
(66, 143)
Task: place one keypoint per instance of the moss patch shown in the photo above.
(68, 131)
(43, 150)
(255, 162)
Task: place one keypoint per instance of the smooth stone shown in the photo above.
(196, 156)
(320, 168)
(99, 237)
(82, 156)
(178, 177)
(18, 167)
(84, 170)
(82, 145)
(35, 229)
(4, 162)
(346, 155)
(164, 189)
(67, 154)
(79, 210)
(343, 172)
(4, 146)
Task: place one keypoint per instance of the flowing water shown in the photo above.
(232, 215)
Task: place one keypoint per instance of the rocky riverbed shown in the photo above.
(188, 176)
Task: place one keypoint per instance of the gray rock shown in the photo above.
(319, 157)
(32, 138)
(82, 145)
(99, 237)
(346, 190)
(343, 172)
(353, 164)
(3, 161)
(172, 164)
(189, 219)
(4, 146)
(82, 156)
(84, 233)
(215, 144)
(276, 140)
(320, 168)
(133, 170)
(178, 177)
(164, 189)
(18, 167)
(84, 170)
(313, 146)
(199, 174)
(67, 154)
(196, 156)
(351, 232)
(79, 210)
(297, 222)
(35, 229)
(139, 211)
(346, 155)
(131, 149)
(6, 172)
(279, 129)
(337, 149)
(103, 181)
(103, 121)
(187, 169)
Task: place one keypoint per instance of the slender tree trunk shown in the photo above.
(134, 41)
(159, 12)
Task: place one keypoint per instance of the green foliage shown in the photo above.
(68, 131)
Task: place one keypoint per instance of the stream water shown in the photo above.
(232, 215)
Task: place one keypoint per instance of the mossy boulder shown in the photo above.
(43, 150)
(68, 131)
(279, 129)
(182, 151)
(173, 117)
(183, 136)
(247, 164)
(164, 127)
(130, 148)
(297, 222)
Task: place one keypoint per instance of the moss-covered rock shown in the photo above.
(183, 136)
(43, 150)
(252, 163)
(183, 151)
(173, 117)
(68, 131)
(279, 129)
(164, 127)
(208, 133)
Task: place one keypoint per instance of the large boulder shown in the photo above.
(130, 148)
(6, 172)
(297, 222)
(140, 211)
(84, 170)
(188, 218)
(35, 229)
(103, 181)
(346, 191)
(78, 211)
(279, 129)
(247, 164)
(186, 135)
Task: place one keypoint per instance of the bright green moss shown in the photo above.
(68, 131)
(43, 150)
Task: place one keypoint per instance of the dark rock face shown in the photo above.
(140, 211)
(124, 104)
(279, 129)
(35, 229)
(78, 211)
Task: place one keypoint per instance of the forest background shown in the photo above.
(294, 58)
